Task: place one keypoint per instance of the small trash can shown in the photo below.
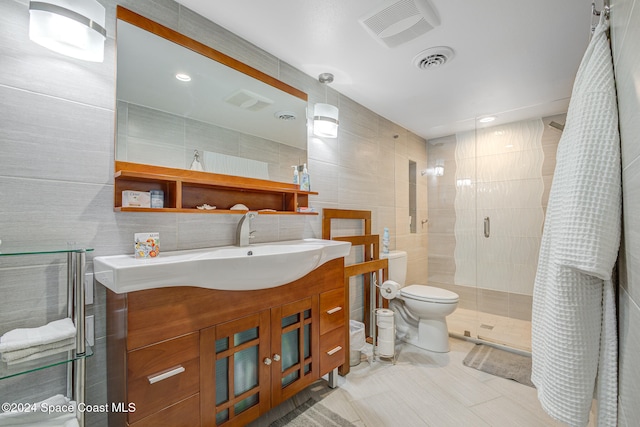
(356, 341)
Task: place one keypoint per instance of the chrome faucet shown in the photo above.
(244, 232)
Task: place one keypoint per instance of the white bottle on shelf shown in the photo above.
(305, 183)
(296, 176)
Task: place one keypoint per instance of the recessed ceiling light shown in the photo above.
(183, 77)
(487, 119)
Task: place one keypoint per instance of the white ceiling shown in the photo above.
(515, 59)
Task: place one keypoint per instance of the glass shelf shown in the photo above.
(8, 371)
(12, 248)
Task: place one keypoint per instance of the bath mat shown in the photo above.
(311, 413)
(501, 363)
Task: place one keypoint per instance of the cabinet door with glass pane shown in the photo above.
(294, 347)
(235, 371)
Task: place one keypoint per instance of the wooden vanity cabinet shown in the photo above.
(222, 358)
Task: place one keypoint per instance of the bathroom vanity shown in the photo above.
(186, 355)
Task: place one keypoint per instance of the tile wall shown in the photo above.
(625, 36)
(508, 294)
(57, 134)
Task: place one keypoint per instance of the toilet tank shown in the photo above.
(397, 266)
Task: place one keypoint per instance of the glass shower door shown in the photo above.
(509, 220)
(486, 192)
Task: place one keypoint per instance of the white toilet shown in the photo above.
(420, 310)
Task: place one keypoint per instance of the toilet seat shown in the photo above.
(429, 294)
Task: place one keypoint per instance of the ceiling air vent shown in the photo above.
(285, 115)
(248, 100)
(400, 21)
(434, 57)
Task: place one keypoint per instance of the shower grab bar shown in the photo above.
(487, 226)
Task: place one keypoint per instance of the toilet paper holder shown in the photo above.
(388, 290)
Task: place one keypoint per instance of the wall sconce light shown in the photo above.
(325, 116)
(325, 120)
(71, 27)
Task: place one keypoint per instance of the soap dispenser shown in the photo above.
(305, 184)
(296, 175)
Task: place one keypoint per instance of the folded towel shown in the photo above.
(22, 338)
(59, 346)
(67, 420)
(61, 421)
(41, 354)
(35, 416)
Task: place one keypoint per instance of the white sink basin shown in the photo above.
(256, 266)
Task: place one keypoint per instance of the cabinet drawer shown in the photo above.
(332, 350)
(185, 413)
(163, 374)
(332, 310)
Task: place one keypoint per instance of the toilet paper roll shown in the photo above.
(389, 289)
(386, 348)
(387, 334)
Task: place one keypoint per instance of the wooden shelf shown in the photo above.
(212, 211)
(186, 189)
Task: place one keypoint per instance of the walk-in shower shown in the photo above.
(486, 213)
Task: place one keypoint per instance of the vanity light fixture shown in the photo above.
(183, 77)
(325, 116)
(71, 27)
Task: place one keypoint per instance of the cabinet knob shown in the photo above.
(267, 361)
(276, 357)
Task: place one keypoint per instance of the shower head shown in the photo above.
(557, 125)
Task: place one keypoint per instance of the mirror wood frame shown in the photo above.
(128, 16)
(167, 33)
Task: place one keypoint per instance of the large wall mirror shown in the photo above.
(239, 120)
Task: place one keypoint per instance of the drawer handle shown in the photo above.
(334, 310)
(334, 351)
(166, 374)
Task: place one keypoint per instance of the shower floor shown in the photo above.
(490, 327)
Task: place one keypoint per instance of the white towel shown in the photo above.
(34, 353)
(38, 417)
(573, 327)
(51, 348)
(22, 338)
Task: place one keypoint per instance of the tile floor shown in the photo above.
(426, 389)
(513, 333)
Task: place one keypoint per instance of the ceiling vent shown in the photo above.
(401, 21)
(285, 115)
(433, 58)
(248, 100)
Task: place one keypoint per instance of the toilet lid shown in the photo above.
(429, 293)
